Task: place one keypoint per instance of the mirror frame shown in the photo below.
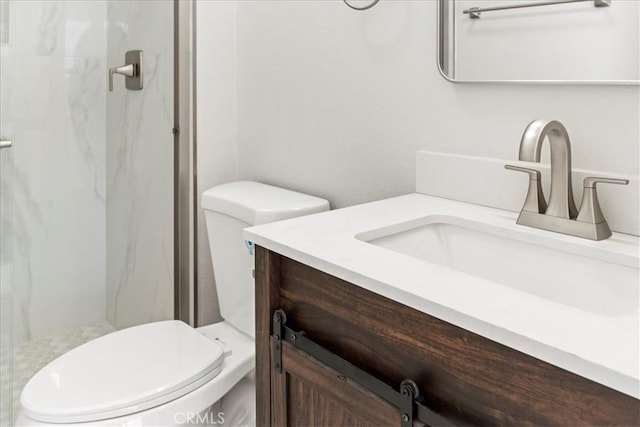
(445, 23)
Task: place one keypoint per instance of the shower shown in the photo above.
(92, 182)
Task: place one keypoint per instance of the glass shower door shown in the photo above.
(87, 189)
(6, 219)
(140, 166)
(6, 287)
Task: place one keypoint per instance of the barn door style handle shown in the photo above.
(407, 399)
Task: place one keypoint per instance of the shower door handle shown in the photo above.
(5, 143)
(132, 70)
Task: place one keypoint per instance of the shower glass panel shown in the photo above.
(139, 173)
(6, 287)
(87, 202)
(6, 213)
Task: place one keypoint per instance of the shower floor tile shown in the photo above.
(30, 356)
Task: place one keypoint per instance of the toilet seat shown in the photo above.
(122, 373)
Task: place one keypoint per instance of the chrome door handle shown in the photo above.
(5, 143)
(132, 70)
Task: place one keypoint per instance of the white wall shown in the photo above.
(216, 126)
(335, 103)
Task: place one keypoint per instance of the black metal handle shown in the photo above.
(407, 400)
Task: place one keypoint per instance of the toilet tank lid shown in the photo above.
(256, 203)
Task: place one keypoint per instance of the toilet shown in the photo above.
(167, 373)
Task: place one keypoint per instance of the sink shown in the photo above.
(568, 301)
(579, 275)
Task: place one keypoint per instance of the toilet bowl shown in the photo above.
(158, 374)
(167, 373)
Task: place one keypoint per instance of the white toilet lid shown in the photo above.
(122, 373)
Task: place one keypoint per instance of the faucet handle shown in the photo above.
(590, 207)
(535, 201)
(590, 181)
(533, 173)
(127, 70)
(132, 70)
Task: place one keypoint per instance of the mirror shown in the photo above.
(593, 41)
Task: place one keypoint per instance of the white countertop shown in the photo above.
(603, 348)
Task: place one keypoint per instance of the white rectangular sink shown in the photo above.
(561, 271)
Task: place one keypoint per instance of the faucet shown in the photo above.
(561, 202)
(560, 214)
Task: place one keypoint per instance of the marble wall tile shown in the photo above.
(84, 32)
(5, 24)
(6, 282)
(39, 27)
(92, 175)
(140, 167)
(58, 116)
(6, 215)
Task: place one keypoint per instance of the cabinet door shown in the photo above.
(308, 393)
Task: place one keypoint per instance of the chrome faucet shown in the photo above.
(560, 214)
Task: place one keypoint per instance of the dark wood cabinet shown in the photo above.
(308, 393)
(466, 378)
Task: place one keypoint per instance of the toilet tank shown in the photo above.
(228, 209)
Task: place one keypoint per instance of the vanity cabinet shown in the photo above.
(465, 378)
